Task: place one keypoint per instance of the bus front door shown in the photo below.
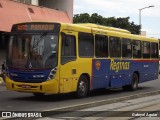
(68, 69)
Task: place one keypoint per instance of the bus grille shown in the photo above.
(28, 80)
(28, 76)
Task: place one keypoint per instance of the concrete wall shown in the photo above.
(64, 5)
(35, 2)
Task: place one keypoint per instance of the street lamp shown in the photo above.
(140, 14)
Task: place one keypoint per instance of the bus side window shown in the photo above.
(154, 50)
(126, 48)
(115, 46)
(86, 45)
(136, 46)
(68, 52)
(146, 49)
(101, 46)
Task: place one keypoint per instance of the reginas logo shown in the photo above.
(98, 65)
(117, 66)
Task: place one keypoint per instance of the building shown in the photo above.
(15, 11)
(63, 5)
(143, 33)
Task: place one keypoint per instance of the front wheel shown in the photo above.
(82, 87)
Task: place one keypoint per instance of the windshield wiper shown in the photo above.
(41, 37)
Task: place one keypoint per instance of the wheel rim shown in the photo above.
(82, 88)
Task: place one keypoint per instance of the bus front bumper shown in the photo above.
(48, 87)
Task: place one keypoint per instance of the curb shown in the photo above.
(66, 109)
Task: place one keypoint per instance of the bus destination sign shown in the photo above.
(35, 27)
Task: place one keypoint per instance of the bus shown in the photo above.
(54, 58)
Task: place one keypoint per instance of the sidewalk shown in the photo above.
(133, 109)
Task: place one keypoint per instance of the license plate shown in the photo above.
(26, 86)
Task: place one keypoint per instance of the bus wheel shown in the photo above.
(82, 87)
(134, 83)
(38, 94)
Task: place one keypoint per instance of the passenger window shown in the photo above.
(137, 52)
(115, 47)
(154, 50)
(101, 46)
(126, 48)
(146, 50)
(68, 48)
(86, 45)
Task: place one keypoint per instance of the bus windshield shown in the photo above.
(33, 51)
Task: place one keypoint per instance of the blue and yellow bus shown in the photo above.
(53, 58)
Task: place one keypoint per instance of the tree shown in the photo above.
(81, 18)
(135, 29)
(98, 19)
(122, 23)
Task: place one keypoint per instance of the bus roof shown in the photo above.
(104, 27)
(98, 29)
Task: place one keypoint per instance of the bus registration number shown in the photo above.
(26, 86)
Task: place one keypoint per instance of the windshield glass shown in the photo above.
(33, 51)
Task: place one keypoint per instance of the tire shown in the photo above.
(134, 83)
(38, 94)
(82, 87)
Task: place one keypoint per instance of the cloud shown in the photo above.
(117, 7)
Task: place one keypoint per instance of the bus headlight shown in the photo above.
(52, 74)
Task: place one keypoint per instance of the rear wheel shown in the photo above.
(134, 83)
(82, 87)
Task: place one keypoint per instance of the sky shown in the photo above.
(150, 17)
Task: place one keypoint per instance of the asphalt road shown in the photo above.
(16, 101)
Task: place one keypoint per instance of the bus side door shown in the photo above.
(68, 69)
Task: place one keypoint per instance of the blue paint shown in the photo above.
(120, 74)
(29, 76)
